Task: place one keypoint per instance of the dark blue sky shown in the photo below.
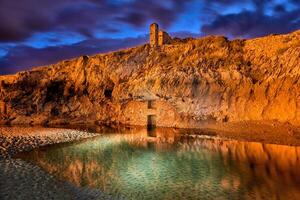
(39, 32)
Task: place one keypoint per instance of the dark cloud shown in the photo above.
(260, 4)
(279, 8)
(20, 20)
(24, 57)
(247, 24)
(135, 18)
(223, 2)
(295, 1)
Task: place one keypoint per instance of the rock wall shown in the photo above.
(137, 112)
(209, 79)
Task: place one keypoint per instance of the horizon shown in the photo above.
(31, 36)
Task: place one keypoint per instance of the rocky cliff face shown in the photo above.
(190, 81)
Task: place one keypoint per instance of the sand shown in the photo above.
(255, 131)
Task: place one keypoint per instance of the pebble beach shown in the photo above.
(20, 179)
(14, 140)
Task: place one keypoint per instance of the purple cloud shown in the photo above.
(21, 20)
(24, 57)
(248, 24)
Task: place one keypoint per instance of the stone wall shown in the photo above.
(163, 38)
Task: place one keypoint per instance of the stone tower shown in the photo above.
(154, 35)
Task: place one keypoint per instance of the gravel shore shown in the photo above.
(14, 140)
(24, 180)
(20, 179)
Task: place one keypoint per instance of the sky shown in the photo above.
(41, 32)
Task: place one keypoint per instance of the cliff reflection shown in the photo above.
(168, 165)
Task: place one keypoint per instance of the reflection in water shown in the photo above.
(167, 165)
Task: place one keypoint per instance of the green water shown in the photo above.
(172, 166)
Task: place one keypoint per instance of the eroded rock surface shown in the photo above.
(191, 81)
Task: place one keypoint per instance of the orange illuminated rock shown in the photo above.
(191, 81)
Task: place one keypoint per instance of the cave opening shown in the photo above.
(108, 89)
(55, 91)
(108, 93)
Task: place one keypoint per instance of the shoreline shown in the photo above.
(14, 140)
(251, 131)
(17, 139)
(254, 131)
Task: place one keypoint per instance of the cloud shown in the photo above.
(19, 21)
(24, 57)
(248, 24)
(279, 8)
(25, 24)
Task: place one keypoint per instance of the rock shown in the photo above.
(208, 79)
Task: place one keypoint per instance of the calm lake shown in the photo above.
(165, 164)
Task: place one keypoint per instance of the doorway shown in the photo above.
(151, 125)
(151, 121)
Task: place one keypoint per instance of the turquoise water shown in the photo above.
(168, 165)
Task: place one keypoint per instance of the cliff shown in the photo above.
(188, 82)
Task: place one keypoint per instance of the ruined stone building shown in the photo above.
(158, 37)
(163, 38)
(154, 34)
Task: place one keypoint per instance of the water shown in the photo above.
(167, 165)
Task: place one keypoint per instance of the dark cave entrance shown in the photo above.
(108, 90)
(108, 93)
